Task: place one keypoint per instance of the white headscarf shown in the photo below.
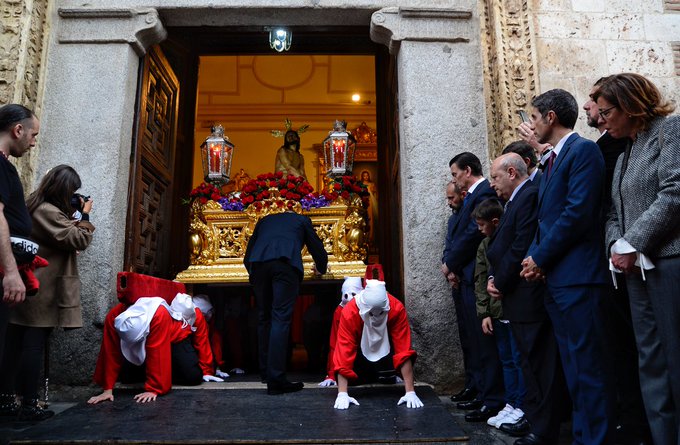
(133, 327)
(203, 303)
(350, 288)
(183, 309)
(374, 306)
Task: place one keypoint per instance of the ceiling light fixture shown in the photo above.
(356, 97)
(280, 39)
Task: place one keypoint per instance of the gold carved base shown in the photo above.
(219, 239)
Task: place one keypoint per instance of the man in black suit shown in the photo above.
(632, 426)
(459, 267)
(274, 262)
(523, 303)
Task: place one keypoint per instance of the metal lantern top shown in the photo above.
(216, 153)
(338, 150)
(280, 39)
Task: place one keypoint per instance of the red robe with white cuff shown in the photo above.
(332, 341)
(350, 329)
(163, 331)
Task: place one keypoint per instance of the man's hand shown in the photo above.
(527, 135)
(221, 374)
(106, 395)
(445, 270)
(146, 397)
(625, 262)
(487, 326)
(453, 279)
(212, 378)
(411, 400)
(14, 289)
(530, 270)
(491, 289)
(343, 400)
(315, 271)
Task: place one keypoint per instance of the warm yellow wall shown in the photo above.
(251, 95)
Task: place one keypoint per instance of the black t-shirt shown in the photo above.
(12, 197)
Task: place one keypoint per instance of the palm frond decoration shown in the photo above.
(288, 124)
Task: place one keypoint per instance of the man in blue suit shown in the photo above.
(274, 262)
(523, 303)
(567, 253)
(459, 266)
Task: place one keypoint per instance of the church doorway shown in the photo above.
(199, 77)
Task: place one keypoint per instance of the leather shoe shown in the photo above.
(465, 395)
(284, 387)
(530, 439)
(481, 414)
(518, 429)
(472, 404)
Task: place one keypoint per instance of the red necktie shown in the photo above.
(551, 161)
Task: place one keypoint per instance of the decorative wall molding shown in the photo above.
(675, 47)
(510, 68)
(141, 28)
(390, 26)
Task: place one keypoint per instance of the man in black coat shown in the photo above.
(523, 303)
(274, 262)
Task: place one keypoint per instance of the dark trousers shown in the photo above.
(575, 312)
(484, 354)
(4, 321)
(276, 285)
(367, 371)
(656, 320)
(470, 381)
(546, 398)
(22, 360)
(186, 370)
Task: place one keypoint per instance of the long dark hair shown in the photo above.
(57, 187)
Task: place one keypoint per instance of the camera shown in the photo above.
(75, 201)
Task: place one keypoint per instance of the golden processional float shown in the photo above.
(222, 225)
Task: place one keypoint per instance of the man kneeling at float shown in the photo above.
(368, 325)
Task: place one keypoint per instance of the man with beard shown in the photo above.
(289, 160)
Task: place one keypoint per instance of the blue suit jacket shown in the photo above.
(568, 242)
(465, 236)
(522, 301)
(282, 236)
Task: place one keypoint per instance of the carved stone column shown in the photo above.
(510, 69)
(441, 113)
(87, 122)
(24, 29)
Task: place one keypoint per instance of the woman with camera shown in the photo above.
(60, 236)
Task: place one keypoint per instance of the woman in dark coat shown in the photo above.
(61, 232)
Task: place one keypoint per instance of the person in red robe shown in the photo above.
(374, 340)
(203, 303)
(144, 333)
(350, 288)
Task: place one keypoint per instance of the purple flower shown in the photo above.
(235, 206)
(311, 202)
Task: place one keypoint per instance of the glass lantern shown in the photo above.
(216, 153)
(338, 150)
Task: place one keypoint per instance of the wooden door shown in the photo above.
(149, 220)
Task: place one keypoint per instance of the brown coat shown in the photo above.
(57, 304)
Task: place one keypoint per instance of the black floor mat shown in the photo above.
(247, 416)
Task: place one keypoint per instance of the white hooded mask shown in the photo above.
(203, 303)
(132, 326)
(374, 306)
(350, 288)
(183, 309)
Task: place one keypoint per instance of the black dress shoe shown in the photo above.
(481, 415)
(518, 429)
(472, 404)
(465, 395)
(530, 439)
(282, 388)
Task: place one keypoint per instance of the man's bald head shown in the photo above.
(507, 173)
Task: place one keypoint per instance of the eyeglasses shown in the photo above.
(604, 113)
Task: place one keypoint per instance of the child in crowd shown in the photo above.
(489, 310)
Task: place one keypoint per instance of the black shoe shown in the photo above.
(481, 415)
(282, 388)
(30, 411)
(518, 429)
(472, 404)
(531, 439)
(465, 395)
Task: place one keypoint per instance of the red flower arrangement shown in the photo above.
(344, 186)
(205, 192)
(292, 188)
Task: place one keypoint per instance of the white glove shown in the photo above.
(212, 378)
(399, 380)
(237, 371)
(411, 400)
(326, 383)
(343, 400)
(221, 374)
